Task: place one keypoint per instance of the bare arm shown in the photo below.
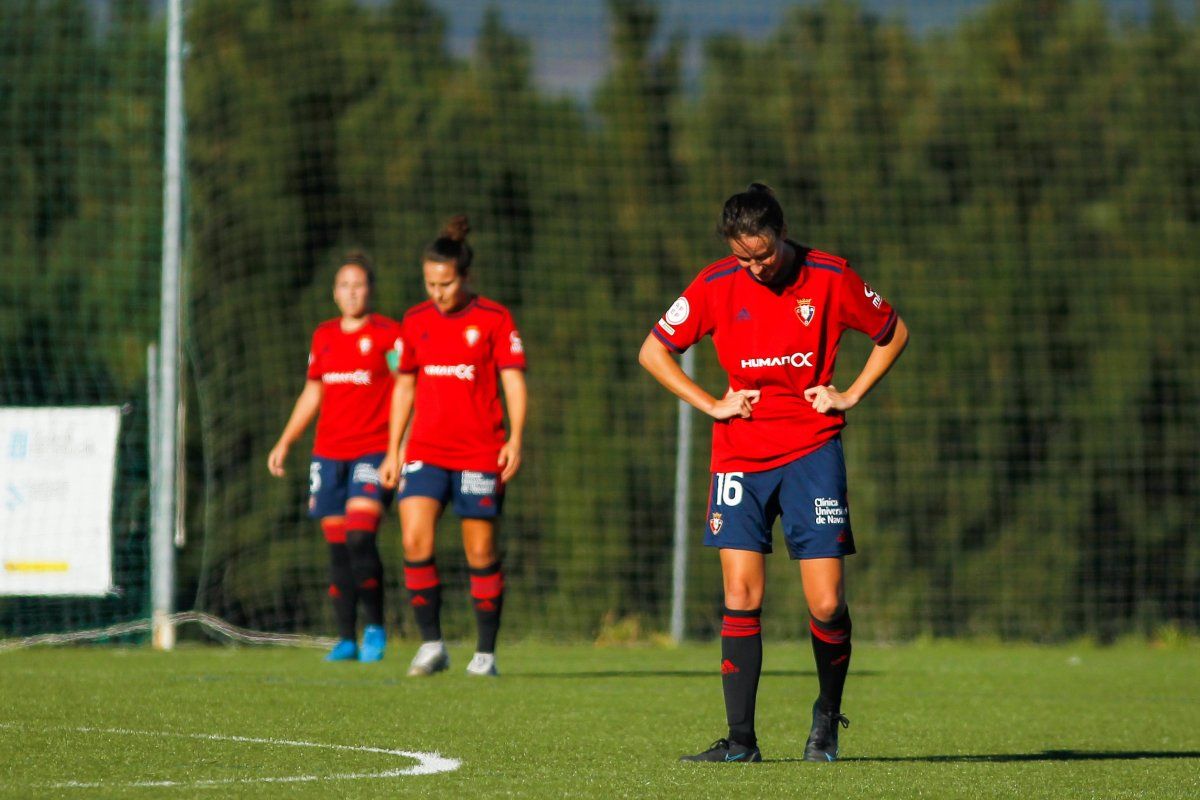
(516, 400)
(658, 361)
(827, 398)
(404, 390)
(303, 413)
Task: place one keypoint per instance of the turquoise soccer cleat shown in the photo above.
(373, 643)
(344, 650)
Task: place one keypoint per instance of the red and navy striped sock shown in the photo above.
(365, 562)
(741, 665)
(342, 590)
(831, 649)
(487, 595)
(425, 596)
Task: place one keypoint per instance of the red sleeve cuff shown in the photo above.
(887, 327)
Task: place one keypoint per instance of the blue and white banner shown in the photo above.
(57, 467)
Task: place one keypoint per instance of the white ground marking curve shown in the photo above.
(427, 763)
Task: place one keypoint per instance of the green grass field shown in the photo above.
(935, 720)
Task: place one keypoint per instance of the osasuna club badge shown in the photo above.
(715, 523)
(471, 334)
(805, 310)
(364, 345)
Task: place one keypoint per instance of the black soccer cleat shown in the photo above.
(822, 742)
(725, 750)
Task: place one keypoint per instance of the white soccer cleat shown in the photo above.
(431, 657)
(483, 664)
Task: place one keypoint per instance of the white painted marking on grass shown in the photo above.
(427, 763)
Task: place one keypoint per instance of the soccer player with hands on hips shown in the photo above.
(776, 311)
(350, 376)
(458, 350)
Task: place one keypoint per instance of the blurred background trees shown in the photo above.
(1024, 186)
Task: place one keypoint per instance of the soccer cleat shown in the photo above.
(431, 657)
(725, 750)
(373, 643)
(344, 650)
(822, 742)
(483, 664)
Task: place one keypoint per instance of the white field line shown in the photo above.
(427, 763)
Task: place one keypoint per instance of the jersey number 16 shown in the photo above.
(729, 490)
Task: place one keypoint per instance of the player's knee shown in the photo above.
(827, 609)
(742, 597)
(480, 555)
(417, 545)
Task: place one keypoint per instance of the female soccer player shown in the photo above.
(457, 348)
(776, 311)
(350, 376)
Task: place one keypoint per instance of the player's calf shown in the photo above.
(425, 596)
(487, 595)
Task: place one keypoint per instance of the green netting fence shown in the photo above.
(1022, 183)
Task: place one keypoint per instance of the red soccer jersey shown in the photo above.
(458, 422)
(780, 341)
(357, 379)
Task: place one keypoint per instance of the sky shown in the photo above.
(569, 36)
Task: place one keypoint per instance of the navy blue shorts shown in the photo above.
(333, 482)
(475, 495)
(809, 493)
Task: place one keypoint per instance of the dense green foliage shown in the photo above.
(80, 234)
(1024, 187)
(949, 720)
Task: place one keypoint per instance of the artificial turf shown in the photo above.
(955, 719)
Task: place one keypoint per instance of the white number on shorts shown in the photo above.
(729, 491)
(314, 478)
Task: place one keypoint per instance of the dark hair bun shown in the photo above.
(754, 212)
(456, 228)
(451, 245)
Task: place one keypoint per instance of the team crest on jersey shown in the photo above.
(806, 311)
(471, 334)
(364, 345)
(515, 345)
(715, 523)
